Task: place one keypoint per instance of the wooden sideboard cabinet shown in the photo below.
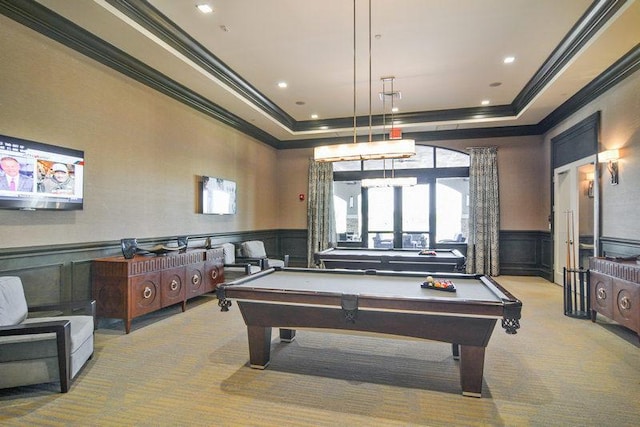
(615, 291)
(128, 288)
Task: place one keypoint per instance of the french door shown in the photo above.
(397, 217)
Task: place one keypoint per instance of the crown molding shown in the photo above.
(587, 26)
(48, 23)
(620, 70)
(54, 26)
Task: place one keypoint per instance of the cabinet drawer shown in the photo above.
(626, 308)
(144, 294)
(172, 286)
(196, 280)
(602, 294)
(215, 274)
(111, 295)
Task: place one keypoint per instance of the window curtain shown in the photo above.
(484, 209)
(320, 218)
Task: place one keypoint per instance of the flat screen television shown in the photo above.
(34, 175)
(218, 196)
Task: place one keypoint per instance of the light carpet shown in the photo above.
(190, 369)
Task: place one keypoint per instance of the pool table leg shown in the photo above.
(287, 335)
(471, 367)
(259, 346)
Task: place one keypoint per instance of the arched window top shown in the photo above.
(426, 157)
(446, 158)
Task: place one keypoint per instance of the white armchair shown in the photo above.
(254, 250)
(41, 349)
(232, 268)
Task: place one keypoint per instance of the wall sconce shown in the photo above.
(610, 157)
(590, 178)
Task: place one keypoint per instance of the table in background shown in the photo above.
(444, 260)
(383, 302)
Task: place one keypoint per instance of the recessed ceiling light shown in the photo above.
(282, 85)
(395, 110)
(204, 8)
(509, 59)
(314, 116)
(324, 127)
(485, 102)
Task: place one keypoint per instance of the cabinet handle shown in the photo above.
(602, 294)
(174, 285)
(195, 279)
(625, 303)
(147, 293)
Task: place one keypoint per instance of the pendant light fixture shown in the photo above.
(392, 181)
(371, 150)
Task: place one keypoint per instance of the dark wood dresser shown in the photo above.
(615, 291)
(128, 288)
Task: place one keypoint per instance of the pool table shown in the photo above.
(392, 259)
(374, 301)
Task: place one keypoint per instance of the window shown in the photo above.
(452, 220)
(433, 212)
(347, 202)
(380, 217)
(415, 216)
(449, 158)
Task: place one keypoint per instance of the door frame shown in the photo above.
(566, 195)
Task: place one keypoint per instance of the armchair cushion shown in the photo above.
(234, 269)
(271, 263)
(41, 349)
(253, 249)
(13, 305)
(244, 268)
(23, 351)
(229, 251)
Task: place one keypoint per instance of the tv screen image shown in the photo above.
(218, 196)
(34, 175)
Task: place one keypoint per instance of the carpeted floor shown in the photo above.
(179, 369)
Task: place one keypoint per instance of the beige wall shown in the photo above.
(522, 169)
(144, 151)
(523, 179)
(293, 180)
(620, 128)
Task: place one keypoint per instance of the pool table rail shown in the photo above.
(505, 306)
(393, 259)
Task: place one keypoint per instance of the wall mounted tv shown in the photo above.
(34, 175)
(218, 196)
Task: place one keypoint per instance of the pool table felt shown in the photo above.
(379, 286)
